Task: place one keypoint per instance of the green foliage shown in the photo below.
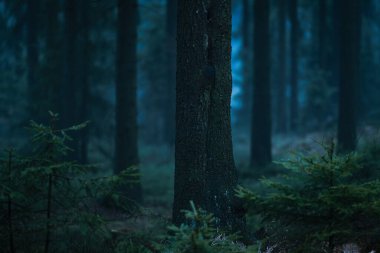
(200, 236)
(130, 246)
(369, 159)
(319, 205)
(50, 204)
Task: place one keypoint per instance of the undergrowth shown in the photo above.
(322, 203)
(48, 204)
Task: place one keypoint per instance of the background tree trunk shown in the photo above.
(281, 112)
(293, 16)
(349, 74)
(32, 61)
(261, 110)
(204, 166)
(126, 146)
(169, 109)
(51, 69)
(322, 32)
(247, 63)
(70, 94)
(84, 77)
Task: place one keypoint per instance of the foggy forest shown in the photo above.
(190, 126)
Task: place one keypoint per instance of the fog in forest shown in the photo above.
(189, 126)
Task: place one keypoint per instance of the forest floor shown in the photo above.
(157, 168)
(157, 175)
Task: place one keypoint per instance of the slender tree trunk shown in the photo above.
(367, 64)
(32, 60)
(204, 166)
(322, 32)
(169, 110)
(126, 149)
(52, 67)
(281, 126)
(294, 64)
(261, 153)
(12, 247)
(349, 74)
(84, 77)
(70, 91)
(48, 214)
(246, 57)
(336, 37)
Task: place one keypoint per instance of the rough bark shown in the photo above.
(126, 146)
(349, 74)
(293, 16)
(204, 166)
(261, 110)
(281, 125)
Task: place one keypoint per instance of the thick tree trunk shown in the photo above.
(281, 126)
(205, 171)
(293, 9)
(349, 74)
(169, 109)
(126, 146)
(261, 110)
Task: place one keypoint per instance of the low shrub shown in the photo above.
(319, 205)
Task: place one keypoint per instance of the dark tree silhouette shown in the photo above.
(51, 67)
(84, 46)
(32, 60)
(281, 115)
(293, 16)
(261, 110)
(246, 57)
(349, 74)
(126, 147)
(322, 35)
(169, 108)
(69, 113)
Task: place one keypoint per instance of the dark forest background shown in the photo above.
(304, 80)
